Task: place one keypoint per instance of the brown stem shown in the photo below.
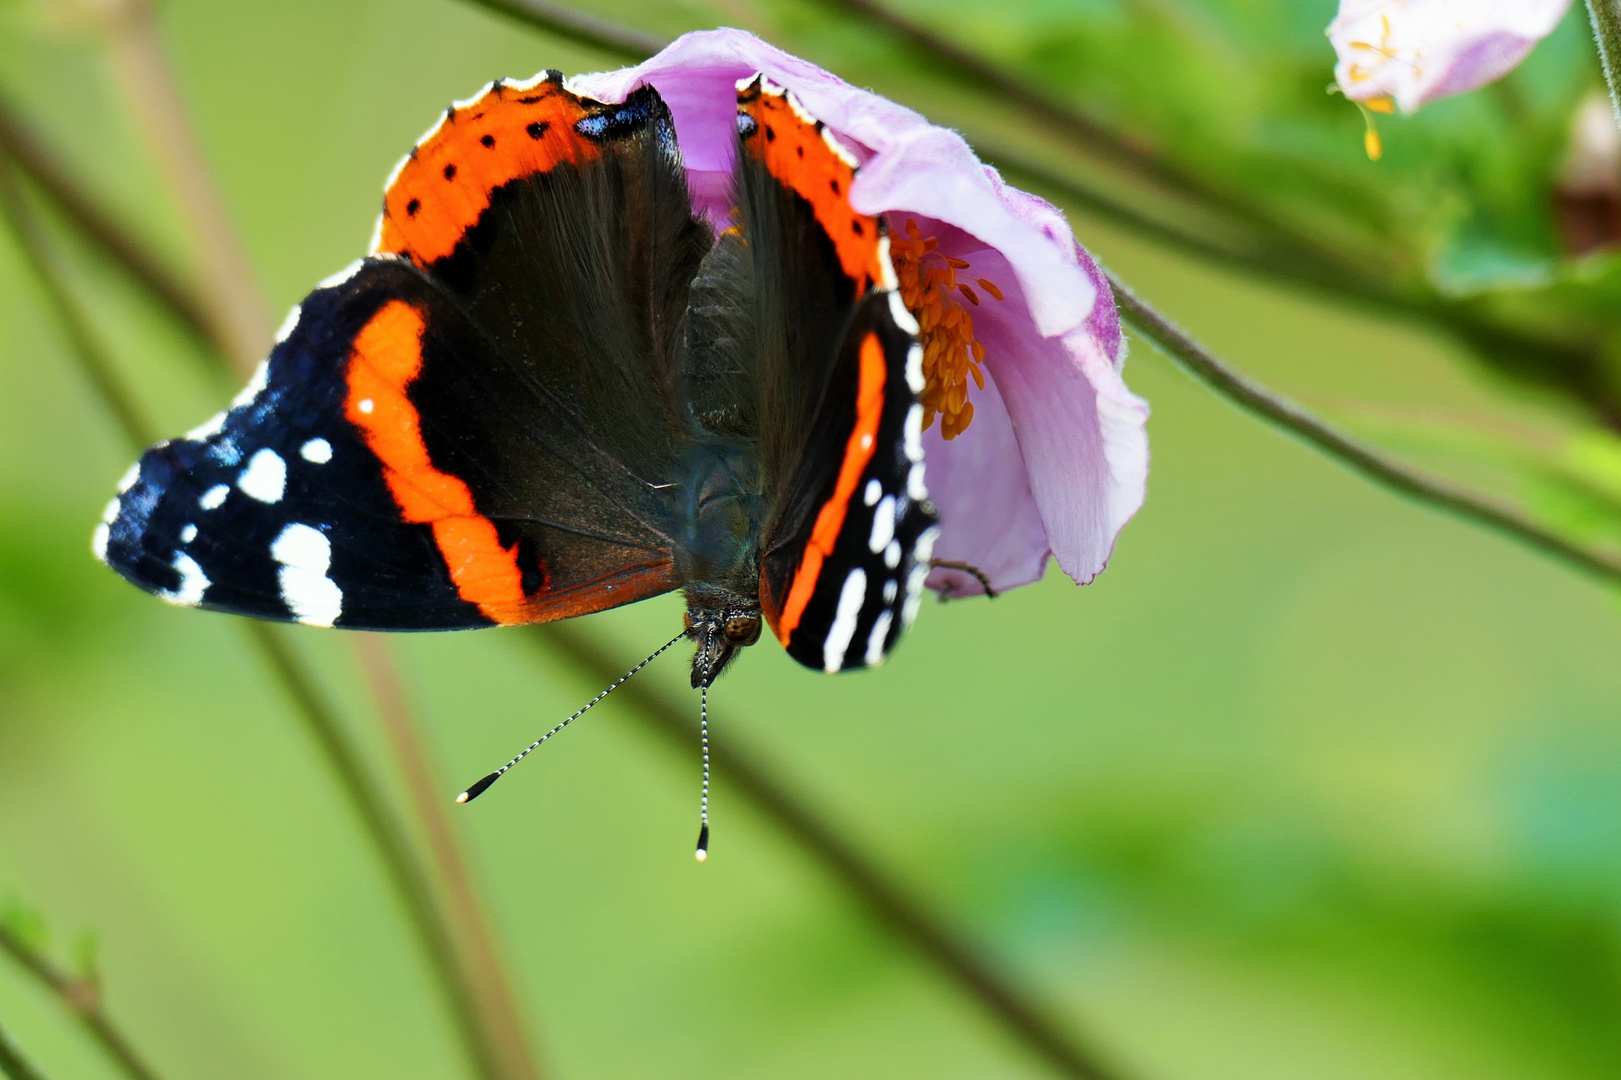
(388, 840)
(87, 351)
(457, 937)
(1385, 471)
(387, 837)
(884, 899)
(470, 921)
(83, 998)
(231, 298)
(39, 161)
(12, 1063)
(560, 20)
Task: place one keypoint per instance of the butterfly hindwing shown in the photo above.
(474, 426)
(847, 547)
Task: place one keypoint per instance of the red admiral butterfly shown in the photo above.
(551, 389)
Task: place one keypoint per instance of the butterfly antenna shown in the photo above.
(703, 800)
(484, 785)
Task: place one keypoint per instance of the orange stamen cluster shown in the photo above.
(931, 291)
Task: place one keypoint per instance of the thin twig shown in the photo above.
(83, 998)
(487, 978)
(388, 839)
(92, 359)
(883, 898)
(560, 20)
(457, 938)
(1387, 472)
(12, 1063)
(36, 159)
(229, 294)
(386, 836)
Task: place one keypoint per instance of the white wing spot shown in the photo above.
(127, 481)
(214, 497)
(193, 583)
(265, 478)
(316, 450)
(366, 405)
(866, 440)
(109, 513)
(883, 525)
(305, 555)
(851, 597)
(886, 268)
(914, 594)
(892, 554)
(874, 490)
(923, 550)
(903, 319)
(188, 534)
(212, 426)
(98, 541)
(914, 432)
(914, 368)
(914, 483)
(875, 640)
(891, 589)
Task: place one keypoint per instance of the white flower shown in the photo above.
(1414, 51)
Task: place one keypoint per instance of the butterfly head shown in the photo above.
(720, 625)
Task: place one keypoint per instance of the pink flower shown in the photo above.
(1051, 456)
(1414, 51)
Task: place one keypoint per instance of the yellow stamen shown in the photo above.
(951, 354)
(1370, 138)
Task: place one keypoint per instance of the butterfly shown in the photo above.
(553, 387)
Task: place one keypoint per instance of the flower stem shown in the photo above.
(83, 998)
(230, 297)
(884, 899)
(12, 1063)
(1385, 471)
(93, 360)
(486, 977)
(560, 20)
(456, 936)
(1605, 16)
(387, 837)
(36, 160)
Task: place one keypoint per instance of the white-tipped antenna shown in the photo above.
(703, 800)
(484, 785)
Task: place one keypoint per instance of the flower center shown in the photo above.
(931, 291)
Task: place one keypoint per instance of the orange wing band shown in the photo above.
(830, 519)
(444, 185)
(795, 150)
(384, 360)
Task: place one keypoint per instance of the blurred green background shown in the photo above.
(1311, 783)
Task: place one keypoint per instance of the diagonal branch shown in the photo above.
(83, 998)
(387, 837)
(12, 1063)
(885, 900)
(560, 20)
(1364, 460)
(28, 148)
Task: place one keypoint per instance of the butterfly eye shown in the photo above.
(743, 629)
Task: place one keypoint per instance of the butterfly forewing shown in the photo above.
(475, 426)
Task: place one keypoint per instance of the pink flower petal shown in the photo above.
(1056, 458)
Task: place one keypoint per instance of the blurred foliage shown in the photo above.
(1310, 783)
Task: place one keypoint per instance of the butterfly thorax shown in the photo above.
(717, 558)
